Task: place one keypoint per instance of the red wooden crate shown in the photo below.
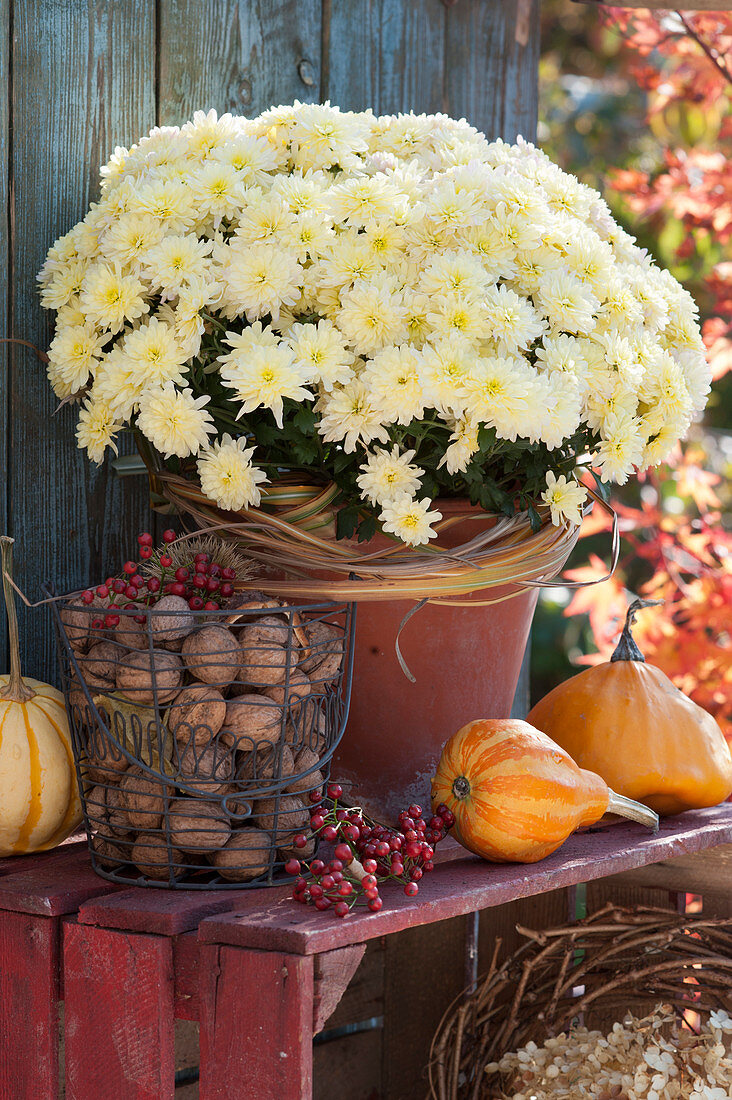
(260, 973)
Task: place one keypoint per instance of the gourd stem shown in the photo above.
(627, 648)
(16, 690)
(634, 811)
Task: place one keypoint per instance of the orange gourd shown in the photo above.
(517, 796)
(625, 720)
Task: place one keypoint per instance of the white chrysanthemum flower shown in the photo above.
(261, 279)
(446, 365)
(154, 354)
(207, 132)
(109, 298)
(74, 355)
(118, 383)
(227, 475)
(320, 354)
(251, 157)
(363, 200)
(564, 498)
(70, 314)
(264, 218)
(386, 240)
(563, 355)
(388, 474)
(497, 255)
(372, 315)
(498, 392)
(394, 380)
(620, 305)
(450, 207)
(453, 315)
(590, 259)
(63, 283)
(463, 445)
(456, 272)
(348, 415)
(416, 319)
(218, 191)
(303, 192)
(511, 320)
(560, 399)
(347, 260)
(168, 200)
(661, 434)
(262, 377)
(410, 520)
(567, 302)
(321, 136)
(96, 429)
(309, 236)
(176, 262)
(129, 239)
(175, 422)
(621, 448)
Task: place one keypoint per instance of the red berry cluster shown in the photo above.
(366, 854)
(205, 584)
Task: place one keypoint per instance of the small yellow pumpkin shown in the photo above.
(39, 800)
(516, 796)
(625, 720)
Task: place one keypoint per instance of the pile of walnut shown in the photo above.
(641, 1059)
(234, 707)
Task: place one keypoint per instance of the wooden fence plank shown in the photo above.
(249, 54)
(6, 266)
(490, 77)
(83, 82)
(384, 54)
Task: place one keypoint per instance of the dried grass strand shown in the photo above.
(292, 534)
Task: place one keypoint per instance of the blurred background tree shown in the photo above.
(637, 104)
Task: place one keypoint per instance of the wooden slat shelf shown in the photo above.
(463, 886)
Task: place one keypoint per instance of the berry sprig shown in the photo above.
(366, 854)
(204, 583)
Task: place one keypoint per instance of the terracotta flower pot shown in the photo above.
(466, 662)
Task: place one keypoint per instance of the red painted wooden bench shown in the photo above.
(260, 973)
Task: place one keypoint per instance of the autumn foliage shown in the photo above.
(674, 545)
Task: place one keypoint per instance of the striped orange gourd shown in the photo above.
(516, 795)
(39, 800)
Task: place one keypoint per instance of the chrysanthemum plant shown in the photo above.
(393, 304)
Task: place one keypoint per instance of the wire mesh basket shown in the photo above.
(199, 736)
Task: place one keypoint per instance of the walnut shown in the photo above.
(198, 712)
(244, 856)
(171, 619)
(313, 781)
(197, 826)
(142, 799)
(251, 719)
(283, 821)
(207, 769)
(99, 666)
(212, 654)
(155, 857)
(141, 676)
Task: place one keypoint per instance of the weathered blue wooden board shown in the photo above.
(85, 75)
(83, 81)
